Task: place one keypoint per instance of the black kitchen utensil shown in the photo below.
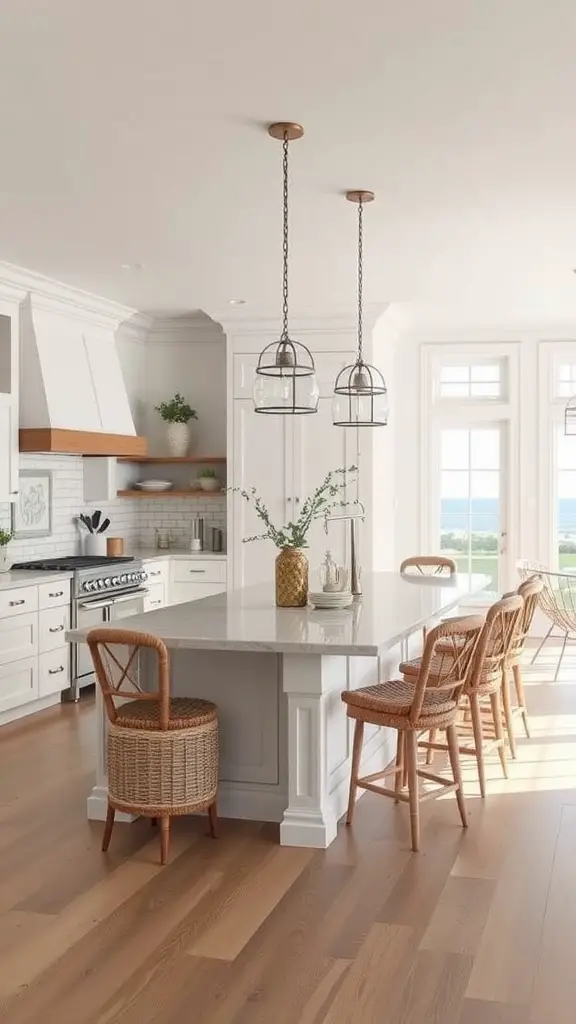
(96, 520)
(87, 522)
(104, 526)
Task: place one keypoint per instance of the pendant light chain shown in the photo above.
(360, 281)
(285, 251)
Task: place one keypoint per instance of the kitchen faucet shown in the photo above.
(355, 571)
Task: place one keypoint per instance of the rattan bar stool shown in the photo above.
(488, 678)
(411, 709)
(428, 566)
(529, 590)
(162, 751)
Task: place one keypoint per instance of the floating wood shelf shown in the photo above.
(164, 460)
(171, 494)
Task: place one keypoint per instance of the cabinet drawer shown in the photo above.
(52, 594)
(53, 624)
(199, 570)
(157, 572)
(54, 672)
(18, 638)
(155, 598)
(18, 683)
(181, 592)
(18, 600)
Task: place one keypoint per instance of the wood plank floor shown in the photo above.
(477, 929)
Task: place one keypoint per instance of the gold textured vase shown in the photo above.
(291, 578)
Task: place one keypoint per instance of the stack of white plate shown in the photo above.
(154, 485)
(331, 599)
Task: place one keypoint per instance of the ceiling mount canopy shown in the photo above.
(360, 392)
(286, 382)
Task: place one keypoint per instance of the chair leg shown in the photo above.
(508, 718)
(432, 739)
(498, 730)
(541, 644)
(557, 672)
(355, 768)
(164, 838)
(478, 740)
(411, 747)
(110, 815)
(520, 697)
(400, 764)
(213, 819)
(153, 822)
(452, 738)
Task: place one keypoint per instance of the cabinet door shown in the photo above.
(18, 638)
(155, 598)
(180, 592)
(8, 448)
(18, 683)
(320, 447)
(260, 461)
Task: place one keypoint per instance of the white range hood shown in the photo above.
(72, 393)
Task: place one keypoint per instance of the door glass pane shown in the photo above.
(566, 500)
(484, 390)
(485, 372)
(455, 449)
(470, 515)
(454, 374)
(455, 390)
(485, 449)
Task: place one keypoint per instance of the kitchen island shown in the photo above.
(276, 675)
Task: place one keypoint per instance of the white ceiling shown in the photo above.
(132, 132)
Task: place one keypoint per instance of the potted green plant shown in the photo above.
(209, 480)
(177, 413)
(5, 538)
(291, 562)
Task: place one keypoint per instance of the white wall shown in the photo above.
(188, 355)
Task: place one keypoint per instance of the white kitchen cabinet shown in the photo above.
(54, 671)
(155, 598)
(18, 638)
(285, 458)
(181, 592)
(18, 683)
(9, 379)
(53, 624)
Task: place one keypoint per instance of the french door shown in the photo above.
(471, 499)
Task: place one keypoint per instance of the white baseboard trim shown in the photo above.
(29, 709)
(233, 802)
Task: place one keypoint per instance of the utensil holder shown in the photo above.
(95, 544)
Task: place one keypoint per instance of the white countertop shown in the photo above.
(391, 608)
(30, 578)
(155, 555)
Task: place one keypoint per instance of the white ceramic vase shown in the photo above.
(5, 561)
(178, 438)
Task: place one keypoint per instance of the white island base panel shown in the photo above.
(285, 739)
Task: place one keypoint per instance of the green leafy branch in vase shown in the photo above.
(319, 504)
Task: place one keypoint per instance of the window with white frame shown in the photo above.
(479, 380)
(565, 380)
(470, 498)
(565, 500)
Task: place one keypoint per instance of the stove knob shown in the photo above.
(123, 578)
(89, 585)
(85, 586)
(115, 581)
(107, 582)
(100, 584)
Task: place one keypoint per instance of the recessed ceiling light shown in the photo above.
(132, 266)
(236, 302)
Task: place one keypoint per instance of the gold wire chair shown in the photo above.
(557, 600)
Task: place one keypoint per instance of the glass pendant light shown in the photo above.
(286, 382)
(360, 393)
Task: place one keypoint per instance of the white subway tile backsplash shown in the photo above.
(136, 521)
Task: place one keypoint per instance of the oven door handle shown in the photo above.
(87, 605)
(122, 598)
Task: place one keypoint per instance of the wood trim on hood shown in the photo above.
(81, 442)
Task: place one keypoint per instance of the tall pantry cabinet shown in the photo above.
(285, 458)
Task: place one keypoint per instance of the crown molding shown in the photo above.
(184, 329)
(54, 296)
(333, 320)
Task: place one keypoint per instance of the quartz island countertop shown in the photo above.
(391, 609)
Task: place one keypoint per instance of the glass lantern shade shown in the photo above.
(285, 381)
(570, 418)
(360, 397)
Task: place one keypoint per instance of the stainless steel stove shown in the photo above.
(103, 590)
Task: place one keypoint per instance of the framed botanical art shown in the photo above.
(32, 510)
